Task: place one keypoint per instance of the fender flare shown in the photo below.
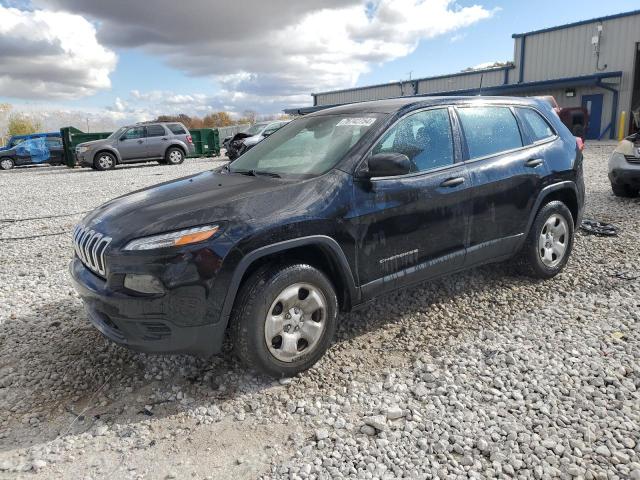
(544, 193)
(328, 244)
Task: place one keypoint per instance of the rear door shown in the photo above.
(54, 144)
(157, 141)
(506, 176)
(132, 145)
(413, 227)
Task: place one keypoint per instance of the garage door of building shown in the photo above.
(593, 104)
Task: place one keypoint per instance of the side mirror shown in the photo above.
(388, 165)
(123, 138)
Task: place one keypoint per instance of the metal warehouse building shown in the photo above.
(593, 63)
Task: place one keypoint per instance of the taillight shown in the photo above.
(580, 143)
(189, 139)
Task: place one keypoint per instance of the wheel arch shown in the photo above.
(319, 251)
(113, 152)
(566, 192)
(176, 145)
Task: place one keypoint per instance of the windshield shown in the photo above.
(15, 141)
(307, 146)
(255, 129)
(117, 133)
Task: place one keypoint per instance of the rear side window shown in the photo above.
(177, 129)
(489, 130)
(539, 129)
(155, 131)
(425, 137)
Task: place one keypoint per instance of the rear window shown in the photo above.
(539, 129)
(489, 130)
(177, 129)
(155, 131)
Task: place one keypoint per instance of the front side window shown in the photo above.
(489, 130)
(135, 132)
(307, 146)
(539, 129)
(425, 137)
(155, 131)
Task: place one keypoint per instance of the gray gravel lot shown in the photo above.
(485, 374)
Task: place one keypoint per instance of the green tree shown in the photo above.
(21, 124)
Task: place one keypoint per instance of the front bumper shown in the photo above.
(623, 172)
(148, 324)
(84, 159)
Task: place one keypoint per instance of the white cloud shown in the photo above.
(280, 50)
(46, 54)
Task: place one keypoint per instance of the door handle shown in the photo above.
(452, 182)
(533, 162)
(140, 141)
(165, 138)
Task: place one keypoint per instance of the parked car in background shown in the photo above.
(334, 210)
(32, 149)
(624, 167)
(576, 119)
(165, 142)
(243, 141)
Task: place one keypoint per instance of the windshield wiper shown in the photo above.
(255, 173)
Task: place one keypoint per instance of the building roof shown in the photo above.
(509, 66)
(577, 24)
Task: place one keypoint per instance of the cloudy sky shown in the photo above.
(130, 60)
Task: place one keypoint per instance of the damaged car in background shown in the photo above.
(624, 167)
(243, 141)
(331, 211)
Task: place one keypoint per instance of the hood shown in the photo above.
(91, 143)
(204, 198)
(241, 203)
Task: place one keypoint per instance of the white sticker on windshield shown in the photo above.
(357, 122)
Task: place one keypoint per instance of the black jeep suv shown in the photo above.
(329, 212)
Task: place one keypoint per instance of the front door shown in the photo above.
(132, 145)
(413, 226)
(593, 104)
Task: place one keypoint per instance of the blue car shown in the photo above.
(32, 149)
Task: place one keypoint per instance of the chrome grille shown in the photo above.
(90, 247)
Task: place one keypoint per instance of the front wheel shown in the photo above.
(6, 164)
(284, 319)
(104, 161)
(550, 240)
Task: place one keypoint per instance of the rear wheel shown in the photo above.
(104, 161)
(6, 163)
(549, 242)
(174, 156)
(622, 190)
(284, 319)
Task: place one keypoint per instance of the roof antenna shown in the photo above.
(481, 78)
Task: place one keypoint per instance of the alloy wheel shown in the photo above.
(105, 161)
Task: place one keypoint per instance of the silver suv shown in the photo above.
(166, 142)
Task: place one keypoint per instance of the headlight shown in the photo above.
(174, 239)
(82, 149)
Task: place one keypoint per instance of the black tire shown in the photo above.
(532, 254)
(6, 163)
(253, 305)
(624, 191)
(174, 156)
(104, 161)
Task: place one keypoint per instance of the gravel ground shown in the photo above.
(485, 374)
